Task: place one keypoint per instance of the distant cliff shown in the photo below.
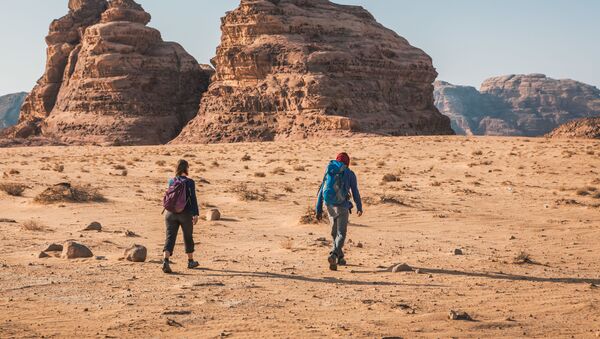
(10, 105)
(523, 105)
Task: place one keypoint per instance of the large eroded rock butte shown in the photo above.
(292, 69)
(522, 105)
(110, 80)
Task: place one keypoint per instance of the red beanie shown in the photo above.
(343, 158)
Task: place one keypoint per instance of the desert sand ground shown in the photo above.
(264, 274)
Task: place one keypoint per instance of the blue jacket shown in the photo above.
(192, 203)
(349, 181)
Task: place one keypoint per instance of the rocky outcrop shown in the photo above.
(582, 128)
(10, 105)
(525, 105)
(292, 69)
(63, 38)
(111, 80)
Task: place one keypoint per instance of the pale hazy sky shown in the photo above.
(469, 40)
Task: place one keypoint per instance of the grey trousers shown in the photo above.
(172, 222)
(338, 217)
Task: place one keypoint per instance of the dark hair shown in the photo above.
(182, 168)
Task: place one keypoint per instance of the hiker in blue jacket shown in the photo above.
(335, 191)
(186, 219)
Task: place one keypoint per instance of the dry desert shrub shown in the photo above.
(288, 189)
(34, 226)
(477, 153)
(246, 157)
(391, 178)
(260, 174)
(58, 168)
(65, 192)
(523, 258)
(384, 199)
(119, 167)
(246, 194)
(380, 164)
(215, 164)
(299, 168)
(161, 163)
(15, 190)
(310, 217)
(585, 191)
(278, 170)
(391, 200)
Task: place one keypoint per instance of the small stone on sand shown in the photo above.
(213, 215)
(136, 253)
(94, 226)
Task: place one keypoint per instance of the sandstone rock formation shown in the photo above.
(582, 128)
(10, 105)
(525, 105)
(63, 38)
(110, 79)
(290, 69)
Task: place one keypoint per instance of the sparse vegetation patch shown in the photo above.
(15, 190)
(65, 192)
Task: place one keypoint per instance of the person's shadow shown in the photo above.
(499, 276)
(324, 280)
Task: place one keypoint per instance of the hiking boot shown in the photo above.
(193, 264)
(342, 261)
(166, 267)
(332, 262)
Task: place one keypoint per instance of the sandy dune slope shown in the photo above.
(264, 274)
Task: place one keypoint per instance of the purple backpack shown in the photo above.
(175, 199)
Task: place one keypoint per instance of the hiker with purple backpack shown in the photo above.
(181, 205)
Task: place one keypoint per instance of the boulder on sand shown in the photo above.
(213, 215)
(94, 226)
(136, 253)
(73, 250)
(459, 315)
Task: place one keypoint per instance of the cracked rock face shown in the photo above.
(113, 81)
(522, 105)
(293, 69)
